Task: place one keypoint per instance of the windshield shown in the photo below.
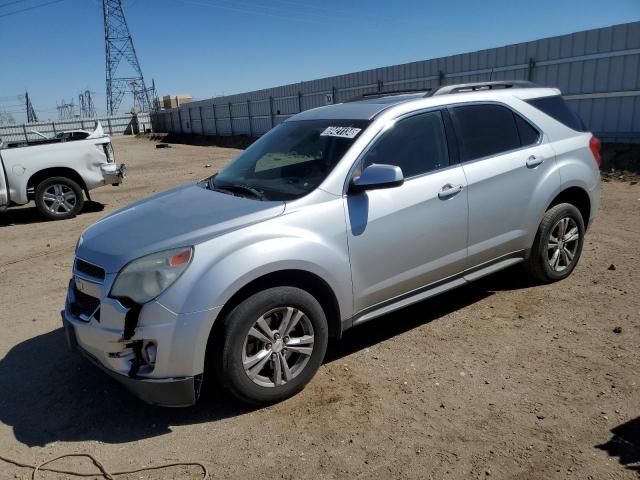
(290, 161)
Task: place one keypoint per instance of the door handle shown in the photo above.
(449, 190)
(533, 161)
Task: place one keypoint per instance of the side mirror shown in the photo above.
(377, 176)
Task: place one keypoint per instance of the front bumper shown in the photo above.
(95, 325)
(114, 174)
(166, 392)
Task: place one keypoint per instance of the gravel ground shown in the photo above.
(499, 379)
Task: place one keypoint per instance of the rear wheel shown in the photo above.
(59, 198)
(558, 244)
(273, 344)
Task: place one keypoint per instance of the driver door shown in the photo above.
(404, 238)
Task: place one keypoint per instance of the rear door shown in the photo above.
(4, 189)
(403, 238)
(508, 166)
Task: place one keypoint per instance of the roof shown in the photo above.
(352, 111)
(368, 108)
(364, 109)
(392, 98)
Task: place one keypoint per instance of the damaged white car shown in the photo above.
(55, 173)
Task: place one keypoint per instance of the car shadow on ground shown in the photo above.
(30, 214)
(48, 394)
(625, 444)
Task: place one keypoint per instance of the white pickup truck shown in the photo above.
(54, 172)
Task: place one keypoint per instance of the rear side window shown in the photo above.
(557, 108)
(485, 130)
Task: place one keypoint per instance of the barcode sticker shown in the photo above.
(343, 132)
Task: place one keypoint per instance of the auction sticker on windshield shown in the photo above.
(343, 132)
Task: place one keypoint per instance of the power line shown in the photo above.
(11, 3)
(254, 12)
(40, 5)
(289, 10)
(329, 9)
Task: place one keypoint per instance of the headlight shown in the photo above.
(78, 243)
(147, 277)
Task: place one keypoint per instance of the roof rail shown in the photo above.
(365, 96)
(472, 87)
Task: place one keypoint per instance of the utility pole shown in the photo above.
(31, 113)
(155, 101)
(124, 74)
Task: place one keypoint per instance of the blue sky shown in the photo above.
(214, 47)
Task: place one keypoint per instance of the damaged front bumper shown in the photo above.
(114, 174)
(164, 392)
(97, 330)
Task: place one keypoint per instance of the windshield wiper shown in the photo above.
(238, 188)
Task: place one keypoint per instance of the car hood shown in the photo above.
(183, 216)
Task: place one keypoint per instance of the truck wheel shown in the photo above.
(58, 198)
(558, 244)
(273, 344)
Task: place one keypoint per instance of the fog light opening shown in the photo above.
(150, 352)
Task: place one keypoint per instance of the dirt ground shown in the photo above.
(499, 379)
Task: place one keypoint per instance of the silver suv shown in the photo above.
(337, 216)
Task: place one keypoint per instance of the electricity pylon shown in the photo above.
(124, 74)
(66, 111)
(31, 113)
(87, 108)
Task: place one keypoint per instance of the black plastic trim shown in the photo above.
(130, 318)
(87, 268)
(175, 392)
(452, 139)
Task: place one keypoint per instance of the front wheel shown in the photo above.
(59, 198)
(274, 343)
(558, 244)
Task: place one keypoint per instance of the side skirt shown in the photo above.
(436, 288)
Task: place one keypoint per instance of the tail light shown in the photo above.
(108, 151)
(594, 146)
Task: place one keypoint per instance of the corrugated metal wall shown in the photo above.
(598, 71)
(115, 125)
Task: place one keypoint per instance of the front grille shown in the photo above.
(89, 269)
(83, 304)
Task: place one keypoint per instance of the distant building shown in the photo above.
(172, 101)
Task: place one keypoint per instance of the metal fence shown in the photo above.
(116, 125)
(597, 70)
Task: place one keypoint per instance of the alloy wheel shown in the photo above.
(278, 346)
(59, 199)
(562, 244)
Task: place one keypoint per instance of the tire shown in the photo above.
(551, 261)
(59, 198)
(241, 345)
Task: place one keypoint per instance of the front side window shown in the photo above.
(290, 161)
(416, 144)
(485, 130)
